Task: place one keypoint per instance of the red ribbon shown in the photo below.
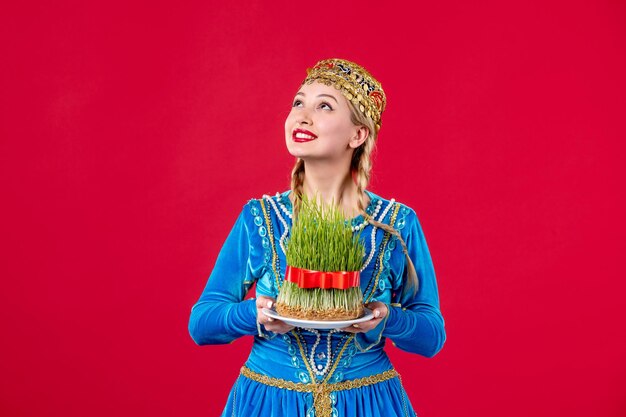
(307, 278)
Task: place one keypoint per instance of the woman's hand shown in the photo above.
(272, 325)
(380, 312)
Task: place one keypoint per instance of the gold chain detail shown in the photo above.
(235, 396)
(303, 355)
(382, 252)
(386, 238)
(406, 409)
(270, 233)
(338, 358)
(321, 392)
(335, 364)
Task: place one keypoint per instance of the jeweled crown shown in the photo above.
(354, 82)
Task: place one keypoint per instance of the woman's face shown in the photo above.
(319, 125)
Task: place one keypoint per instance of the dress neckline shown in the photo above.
(284, 198)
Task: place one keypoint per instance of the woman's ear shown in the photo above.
(360, 136)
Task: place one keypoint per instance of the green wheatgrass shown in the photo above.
(322, 240)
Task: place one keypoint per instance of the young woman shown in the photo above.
(331, 130)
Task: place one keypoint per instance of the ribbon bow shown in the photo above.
(308, 278)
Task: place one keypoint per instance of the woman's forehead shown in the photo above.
(318, 89)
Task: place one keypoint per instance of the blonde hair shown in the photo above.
(361, 164)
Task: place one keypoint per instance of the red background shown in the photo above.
(132, 135)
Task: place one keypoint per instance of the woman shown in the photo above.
(331, 130)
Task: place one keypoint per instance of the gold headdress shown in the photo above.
(354, 82)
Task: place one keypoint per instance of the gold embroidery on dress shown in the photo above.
(380, 270)
(321, 391)
(270, 234)
(382, 252)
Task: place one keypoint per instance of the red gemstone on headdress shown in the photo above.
(378, 99)
(327, 65)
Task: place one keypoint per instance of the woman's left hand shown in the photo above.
(380, 312)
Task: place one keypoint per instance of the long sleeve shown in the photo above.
(418, 325)
(221, 315)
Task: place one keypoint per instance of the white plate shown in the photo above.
(319, 324)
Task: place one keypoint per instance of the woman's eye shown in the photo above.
(324, 106)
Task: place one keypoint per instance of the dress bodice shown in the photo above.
(254, 252)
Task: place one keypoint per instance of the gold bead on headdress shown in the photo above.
(354, 82)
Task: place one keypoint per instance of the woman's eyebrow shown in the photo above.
(319, 95)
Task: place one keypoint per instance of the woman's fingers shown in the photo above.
(362, 327)
(378, 309)
(264, 302)
(276, 326)
(263, 319)
(261, 303)
(279, 327)
(271, 324)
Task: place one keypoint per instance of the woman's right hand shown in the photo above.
(272, 325)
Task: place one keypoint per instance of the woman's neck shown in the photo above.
(332, 185)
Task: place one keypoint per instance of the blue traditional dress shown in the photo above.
(323, 373)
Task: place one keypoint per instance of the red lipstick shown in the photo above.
(303, 135)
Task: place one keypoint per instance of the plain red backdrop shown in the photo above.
(132, 133)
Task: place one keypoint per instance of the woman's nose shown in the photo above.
(304, 116)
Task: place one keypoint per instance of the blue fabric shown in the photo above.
(253, 253)
(384, 399)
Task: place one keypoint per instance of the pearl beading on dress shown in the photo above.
(318, 369)
(373, 235)
(358, 227)
(354, 228)
(282, 206)
(281, 241)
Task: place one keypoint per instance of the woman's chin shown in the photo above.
(296, 150)
(300, 155)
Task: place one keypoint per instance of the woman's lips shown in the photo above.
(302, 135)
